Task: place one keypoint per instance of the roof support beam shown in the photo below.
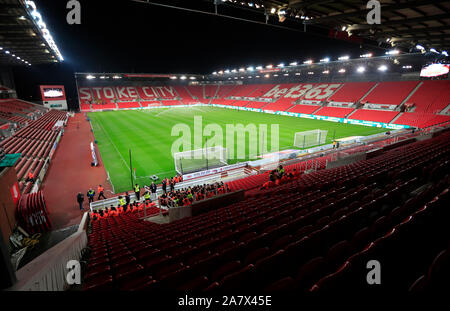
(363, 12)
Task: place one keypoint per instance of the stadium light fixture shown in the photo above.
(250, 68)
(297, 73)
(393, 52)
(267, 76)
(383, 68)
(308, 62)
(173, 78)
(310, 73)
(342, 70)
(275, 75)
(281, 65)
(445, 53)
(346, 57)
(215, 73)
(183, 78)
(273, 10)
(258, 76)
(221, 72)
(368, 55)
(269, 66)
(407, 67)
(234, 71)
(227, 71)
(326, 72)
(241, 69)
(434, 51)
(90, 77)
(37, 17)
(293, 64)
(117, 77)
(7, 52)
(259, 68)
(325, 60)
(420, 47)
(361, 69)
(286, 75)
(193, 78)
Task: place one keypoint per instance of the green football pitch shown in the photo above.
(147, 133)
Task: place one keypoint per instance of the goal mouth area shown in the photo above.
(200, 160)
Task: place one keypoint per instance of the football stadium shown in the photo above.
(179, 151)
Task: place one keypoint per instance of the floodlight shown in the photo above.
(361, 69)
(382, 68)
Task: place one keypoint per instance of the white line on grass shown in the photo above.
(101, 125)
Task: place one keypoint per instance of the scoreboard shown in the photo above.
(54, 97)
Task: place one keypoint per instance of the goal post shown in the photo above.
(200, 159)
(310, 138)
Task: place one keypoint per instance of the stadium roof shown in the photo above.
(24, 37)
(404, 23)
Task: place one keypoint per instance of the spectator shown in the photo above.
(80, 200)
(153, 189)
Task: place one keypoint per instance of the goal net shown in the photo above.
(310, 138)
(200, 159)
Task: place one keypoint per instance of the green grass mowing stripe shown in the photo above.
(147, 133)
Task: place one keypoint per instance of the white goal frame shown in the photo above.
(200, 159)
(310, 138)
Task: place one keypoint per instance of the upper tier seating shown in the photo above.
(391, 93)
(374, 115)
(352, 92)
(334, 112)
(421, 120)
(431, 97)
(296, 232)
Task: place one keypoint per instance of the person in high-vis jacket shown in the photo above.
(137, 191)
(147, 198)
(91, 195)
(122, 201)
(100, 192)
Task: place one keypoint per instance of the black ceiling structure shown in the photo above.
(404, 23)
(23, 40)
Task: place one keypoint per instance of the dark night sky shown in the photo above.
(125, 36)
